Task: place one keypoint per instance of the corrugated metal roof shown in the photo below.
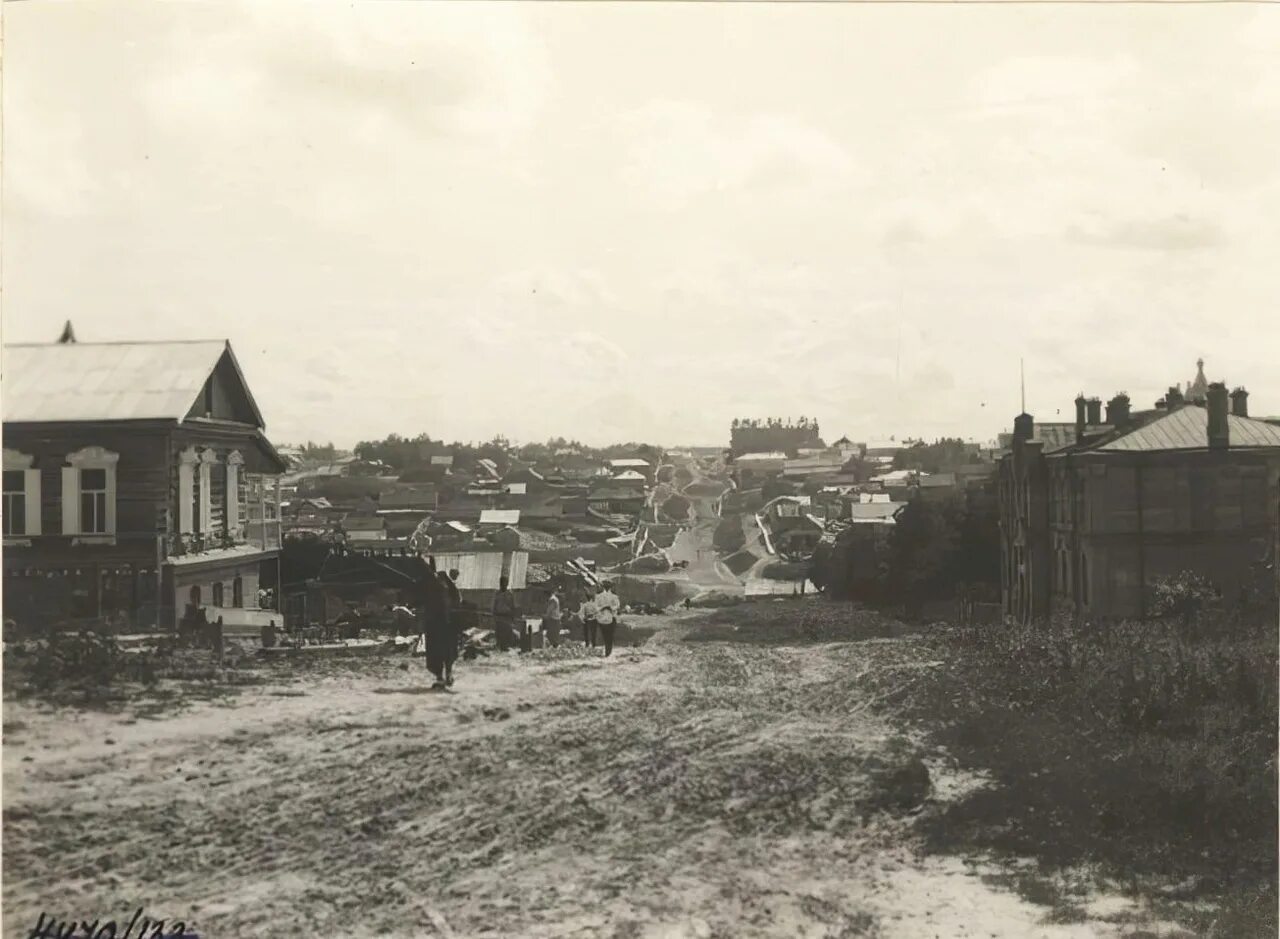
(500, 517)
(481, 570)
(106, 381)
(1187, 428)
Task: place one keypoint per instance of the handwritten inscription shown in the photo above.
(49, 926)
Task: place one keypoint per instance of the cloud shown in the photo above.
(678, 150)
(344, 76)
(1172, 233)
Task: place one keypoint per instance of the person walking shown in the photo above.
(551, 618)
(590, 627)
(505, 613)
(607, 606)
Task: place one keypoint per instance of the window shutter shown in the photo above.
(186, 492)
(32, 486)
(70, 500)
(206, 502)
(111, 499)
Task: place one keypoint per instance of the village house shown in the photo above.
(751, 470)
(630, 467)
(138, 483)
(1090, 525)
(792, 528)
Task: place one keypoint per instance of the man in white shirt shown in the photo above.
(607, 606)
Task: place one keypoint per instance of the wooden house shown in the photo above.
(138, 484)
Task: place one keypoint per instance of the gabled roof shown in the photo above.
(112, 381)
(1187, 428)
(630, 475)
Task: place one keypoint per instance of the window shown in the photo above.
(237, 592)
(21, 495)
(89, 492)
(1084, 581)
(15, 502)
(93, 501)
(218, 593)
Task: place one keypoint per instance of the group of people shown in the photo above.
(597, 613)
(439, 602)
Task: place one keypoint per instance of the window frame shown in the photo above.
(91, 458)
(16, 461)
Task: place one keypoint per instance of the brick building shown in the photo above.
(1090, 525)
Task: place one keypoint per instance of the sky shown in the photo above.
(638, 221)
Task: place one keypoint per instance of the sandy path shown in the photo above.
(683, 789)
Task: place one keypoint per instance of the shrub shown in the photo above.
(729, 536)
(1126, 734)
(86, 660)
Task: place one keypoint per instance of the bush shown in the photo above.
(785, 570)
(676, 507)
(729, 536)
(87, 661)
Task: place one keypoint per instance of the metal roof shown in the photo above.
(500, 517)
(874, 510)
(480, 570)
(109, 381)
(1187, 428)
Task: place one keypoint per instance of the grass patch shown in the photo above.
(1143, 749)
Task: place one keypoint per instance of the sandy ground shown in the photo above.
(681, 789)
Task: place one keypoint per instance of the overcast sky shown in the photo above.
(638, 221)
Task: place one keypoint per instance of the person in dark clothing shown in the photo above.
(453, 603)
(433, 620)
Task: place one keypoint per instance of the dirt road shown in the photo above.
(683, 789)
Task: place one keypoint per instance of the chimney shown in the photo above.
(1094, 406)
(1219, 432)
(1174, 397)
(1024, 427)
(68, 334)
(1240, 403)
(1080, 417)
(1162, 405)
(1118, 410)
